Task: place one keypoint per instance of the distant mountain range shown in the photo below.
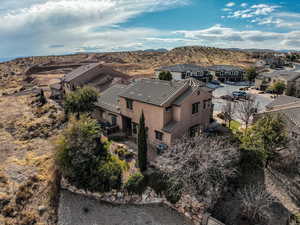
(6, 59)
(262, 50)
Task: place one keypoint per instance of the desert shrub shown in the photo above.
(174, 190)
(201, 166)
(136, 184)
(157, 181)
(254, 201)
(110, 175)
(167, 184)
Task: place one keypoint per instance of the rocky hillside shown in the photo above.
(140, 62)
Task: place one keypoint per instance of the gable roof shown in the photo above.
(99, 70)
(183, 68)
(282, 100)
(109, 99)
(80, 71)
(160, 92)
(285, 75)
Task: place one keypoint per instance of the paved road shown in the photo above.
(79, 210)
(228, 89)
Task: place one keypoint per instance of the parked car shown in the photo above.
(215, 82)
(227, 97)
(160, 148)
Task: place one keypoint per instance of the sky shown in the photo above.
(53, 27)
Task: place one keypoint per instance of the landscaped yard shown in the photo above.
(235, 125)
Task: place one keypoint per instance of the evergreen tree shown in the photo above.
(42, 98)
(142, 144)
(165, 76)
(80, 101)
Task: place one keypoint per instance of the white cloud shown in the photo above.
(254, 11)
(228, 37)
(30, 28)
(244, 5)
(230, 4)
(226, 9)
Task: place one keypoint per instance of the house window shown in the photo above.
(169, 109)
(206, 104)
(159, 135)
(195, 107)
(113, 120)
(129, 104)
(134, 128)
(195, 131)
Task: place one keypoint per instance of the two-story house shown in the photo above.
(184, 71)
(291, 79)
(171, 108)
(289, 108)
(95, 74)
(227, 73)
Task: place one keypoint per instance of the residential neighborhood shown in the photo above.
(149, 112)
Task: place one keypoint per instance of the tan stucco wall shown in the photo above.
(187, 119)
(106, 116)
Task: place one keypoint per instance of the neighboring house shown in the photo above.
(290, 78)
(95, 74)
(275, 61)
(289, 108)
(171, 108)
(184, 71)
(227, 73)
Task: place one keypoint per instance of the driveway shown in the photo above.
(228, 89)
(77, 209)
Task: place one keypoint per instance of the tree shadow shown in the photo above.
(229, 209)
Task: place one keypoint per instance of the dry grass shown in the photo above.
(26, 165)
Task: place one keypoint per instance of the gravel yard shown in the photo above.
(77, 209)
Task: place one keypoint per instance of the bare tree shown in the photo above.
(202, 165)
(247, 109)
(255, 199)
(228, 111)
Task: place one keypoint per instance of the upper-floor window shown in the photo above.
(169, 109)
(206, 103)
(134, 128)
(195, 107)
(113, 120)
(129, 104)
(159, 135)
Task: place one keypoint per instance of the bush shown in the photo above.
(110, 175)
(84, 160)
(136, 184)
(174, 190)
(123, 153)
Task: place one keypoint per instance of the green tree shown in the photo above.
(265, 137)
(136, 184)
(80, 101)
(142, 144)
(84, 160)
(251, 74)
(165, 75)
(278, 87)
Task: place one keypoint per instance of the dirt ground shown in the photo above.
(26, 166)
